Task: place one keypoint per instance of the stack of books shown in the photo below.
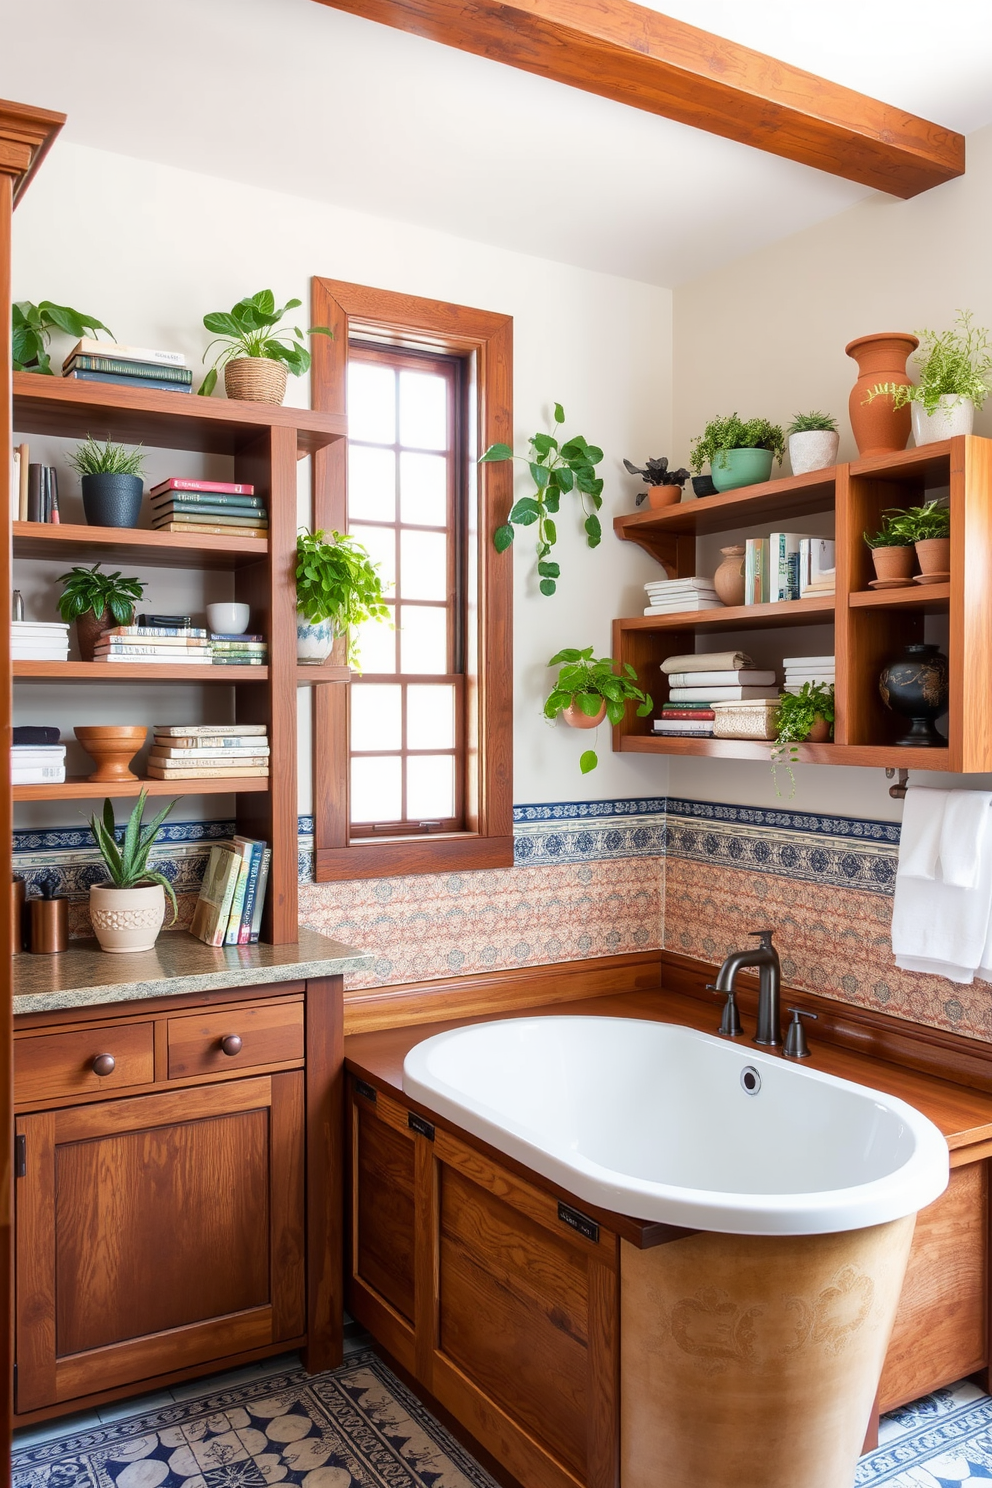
(801, 669)
(697, 682)
(221, 508)
(673, 596)
(135, 366)
(37, 764)
(817, 567)
(238, 650)
(39, 640)
(229, 909)
(196, 751)
(159, 644)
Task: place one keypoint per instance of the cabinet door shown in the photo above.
(156, 1234)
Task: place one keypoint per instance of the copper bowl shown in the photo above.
(113, 747)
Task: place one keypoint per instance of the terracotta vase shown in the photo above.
(893, 563)
(880, 429)
(113, 746)
(575, 718)
(934, 555)
(728, 581)
(662, 496)
(820, 732)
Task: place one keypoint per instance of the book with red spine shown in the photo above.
(673, 712)
(180, 483)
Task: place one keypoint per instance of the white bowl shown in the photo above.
(228, 619)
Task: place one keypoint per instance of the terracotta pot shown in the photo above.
(893, 563)
(256, 379)
(880, 429)
(953, 416)
(575, 718)
(934, 555)
(127, 919)
(728, 581)
(113, 746)
(89, 629)
(820, 732)
(662, 496)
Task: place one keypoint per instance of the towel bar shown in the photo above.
(897, 791)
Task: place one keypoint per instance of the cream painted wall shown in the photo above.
(149, 248)
(766, 336)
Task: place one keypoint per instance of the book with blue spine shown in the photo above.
(160, 372)
(248, 908)
(125, 379)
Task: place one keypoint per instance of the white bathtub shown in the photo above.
(654, 1121)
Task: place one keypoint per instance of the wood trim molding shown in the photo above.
(649, 61)
(26, 136)
(486, 339)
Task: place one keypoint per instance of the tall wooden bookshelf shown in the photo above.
(869, 626)
(264, 443)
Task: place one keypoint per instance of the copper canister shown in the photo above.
(49, 925)
(17, 915)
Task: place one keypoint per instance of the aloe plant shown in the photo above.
(127, 860)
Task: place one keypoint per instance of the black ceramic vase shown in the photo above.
(916, 687)
(112, 500)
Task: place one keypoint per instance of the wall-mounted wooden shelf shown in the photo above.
(80, 788)
(134, 671)
(71, 542)
(871, 626)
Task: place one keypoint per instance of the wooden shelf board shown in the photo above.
(133, 671)
(136, 545)
(740, 617)
(766, 502)
(815, 754)
(930, 597)
(929, 465)
(162, 420)
(308, 676)
(80, 788)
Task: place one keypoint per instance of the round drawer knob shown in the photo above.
(231, 1043)
(104, 1064)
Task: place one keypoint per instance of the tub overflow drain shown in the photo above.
(750, 1079)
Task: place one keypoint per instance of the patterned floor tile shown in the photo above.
(942, 1441)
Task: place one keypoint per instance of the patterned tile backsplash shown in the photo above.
(596, 878)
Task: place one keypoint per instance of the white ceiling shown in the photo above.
(292, 94)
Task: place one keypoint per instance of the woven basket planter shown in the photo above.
(256, 379)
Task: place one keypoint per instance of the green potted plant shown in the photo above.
(556, 468)
(739, 453)
(813, 442)
(127, 912)
(337, 588)
(663, 487)
(111, 482)
(32, 327)
(803, 717)
(256, 353)
(589, 689)
(892, 552)
(955, 370)
(96, 601)
(928, 527)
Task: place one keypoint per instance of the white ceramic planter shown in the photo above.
(813, 449)
(954, 416)
(127, 919)
(313, 642)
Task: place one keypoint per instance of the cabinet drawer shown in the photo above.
(61, 1064)
(253, 1036)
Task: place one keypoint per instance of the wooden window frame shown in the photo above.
(485, 341)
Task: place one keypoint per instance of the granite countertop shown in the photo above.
(86, 976)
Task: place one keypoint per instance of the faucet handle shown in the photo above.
(765, 936)
(730, 1023)
(796, 1046)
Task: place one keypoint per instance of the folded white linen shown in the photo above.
(962, 837)
(939, 927)
(919, 839)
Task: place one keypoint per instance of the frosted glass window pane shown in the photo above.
(424, 489)
(423, 639)
(371, 484)
(371, 403)
(424, 565)
(376, 716)
(430, 717)
(380, 544)
(376, 790)
(423, 410)
(430, 787)
(376, 645)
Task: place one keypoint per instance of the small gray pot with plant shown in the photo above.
(111, 482)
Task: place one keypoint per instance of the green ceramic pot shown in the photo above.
(743, 467)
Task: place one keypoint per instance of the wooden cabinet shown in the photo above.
(479, 1283)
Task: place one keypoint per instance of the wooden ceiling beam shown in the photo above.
(635, 56)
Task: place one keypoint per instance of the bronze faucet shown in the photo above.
(765, 958)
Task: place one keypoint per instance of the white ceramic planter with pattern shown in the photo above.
(127, 919)
(313, 642)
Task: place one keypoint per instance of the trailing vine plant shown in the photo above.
(556, 468)
(794, 720)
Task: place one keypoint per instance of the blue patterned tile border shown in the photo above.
(787, 821)
(557, 811)
(536, 844)
(60, 839)
(844, 862)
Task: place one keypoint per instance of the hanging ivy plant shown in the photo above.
(556, 468)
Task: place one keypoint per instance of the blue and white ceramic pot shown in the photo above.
(313, 642)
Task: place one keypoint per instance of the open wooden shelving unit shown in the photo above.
(870, 626)
(265, 442)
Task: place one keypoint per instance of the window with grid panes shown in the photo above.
(405, 503)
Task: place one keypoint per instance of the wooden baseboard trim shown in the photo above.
(931, 1051)
(369, 1009)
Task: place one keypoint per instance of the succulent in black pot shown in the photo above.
(663, 486)
(915, 685)
(111, 482)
